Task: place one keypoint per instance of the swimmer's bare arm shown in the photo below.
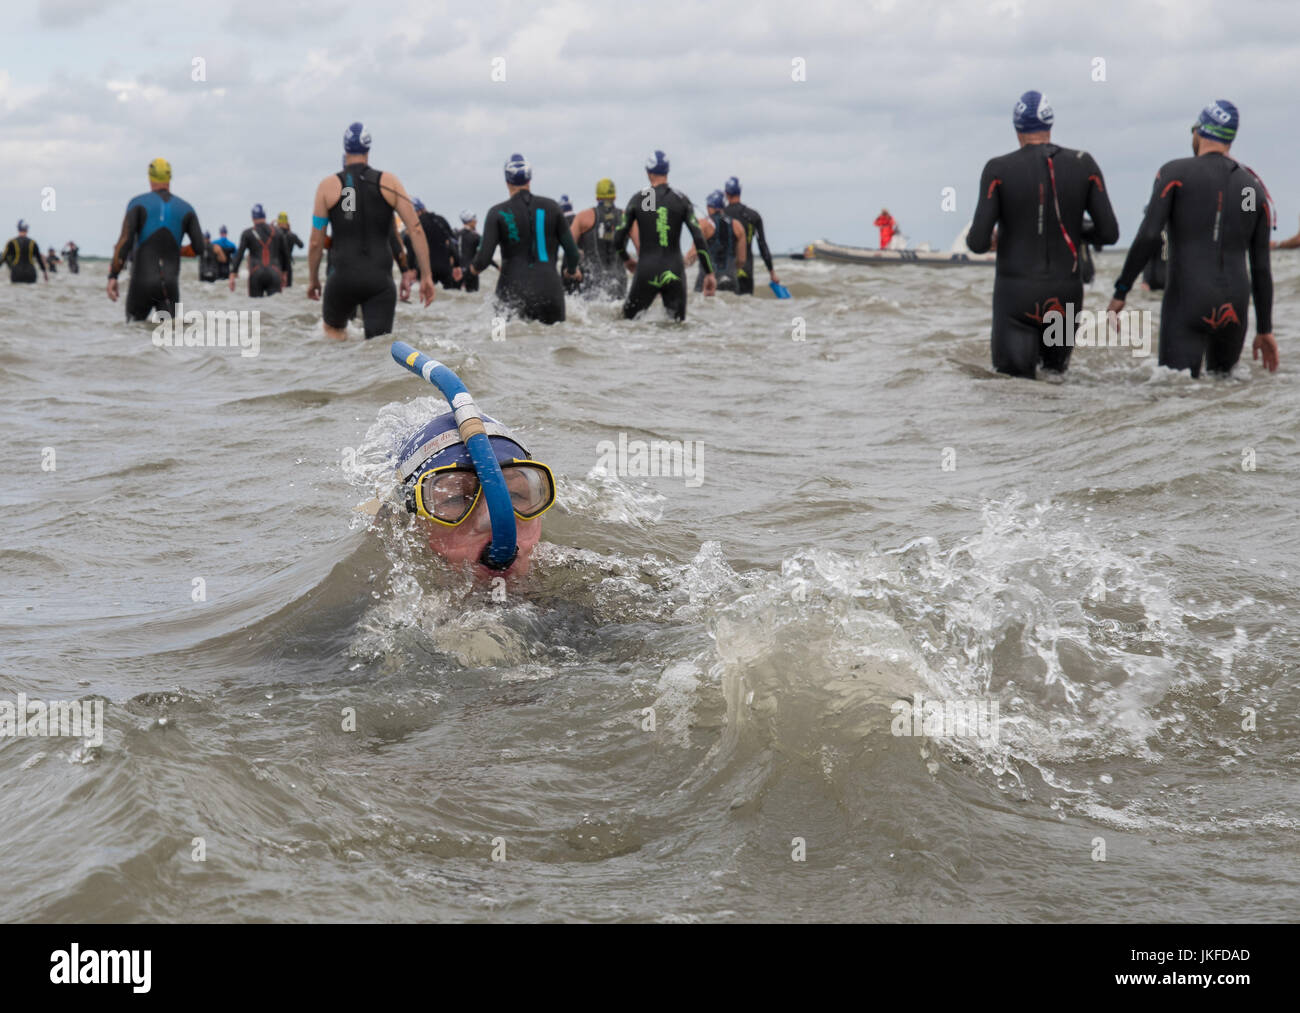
(583, 221)
(395, 194)
(742, 248)
(487, 247)
(708, 228)
(327, 195)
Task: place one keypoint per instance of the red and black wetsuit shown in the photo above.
(268, 255)
(1218, 216)
(1037, 197)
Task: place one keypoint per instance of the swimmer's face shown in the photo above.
(463, 545)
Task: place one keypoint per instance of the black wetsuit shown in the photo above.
(467, 241)
(603, 273)
(72, 252)
(151, 235)
(361, 257)
(444, 255)
(753, 223)
(1038, 264)
(722, 248)
(530, 231)
(1157, 267)
(660, 269)
(208, 264)
(291, 241)
(22, 255)
(1211, 239)
(52, 261)
(268, 255)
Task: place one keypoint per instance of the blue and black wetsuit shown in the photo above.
(152, 230)
(722, 248)
(603, 273)
(361, 255)
(1037, 197)
(267, 257)
(1203, 202)
(223, 266)
(753, 223)
(530, 231)
(22, 257)
(660, 270)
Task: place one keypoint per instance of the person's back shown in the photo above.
(22, 255)
(603, 272)
(525, 227)
(267, 256)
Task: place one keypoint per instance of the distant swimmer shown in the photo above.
(71, 253)
(1036, 197)
(208, 265)
(227, 247)
(444, 256)
(291, 242)
(1218, 213)
(753, 223)
(1286, 244)
(887, 226)
(152, 230)
(467, 244)
(22, 257)
(361, 260)
(268, 256)
(659, 212)
(566, 209)
(594, 228)
(530, 231)
(726, 238)
(52, 260)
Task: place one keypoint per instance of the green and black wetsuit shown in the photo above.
(659, 214)
(530, 231)
(722, 247)
(1218, 215)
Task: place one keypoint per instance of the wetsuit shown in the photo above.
(603, 273)
(1154, 273)
(530, 231)
(223, 266)
(52, 261)
(22, 255)
(467, 241)
(291, 240)
(444, 254)
(151, 235)
(722, 248)
(1037, 197)
(753, 223)
(660, 269)
(361, 257)
(1211, 239)
(70, 253)
(208, 264)
(268, 255)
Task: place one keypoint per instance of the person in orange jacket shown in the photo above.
(885, 222)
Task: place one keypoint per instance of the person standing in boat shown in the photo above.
(887, 226)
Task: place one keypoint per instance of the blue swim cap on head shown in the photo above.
(356, 139)
(437, 443)
(716, 200)
(1033, 113)
(258, 212)
(566, 206)
(657, 163)
(1218, 121)
(222, 230)
(518, 171)
(419, 204)
(732, 186)
(22, 225)
(207, 235)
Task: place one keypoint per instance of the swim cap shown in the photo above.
(605, 190)
(437, 443)
(732, 186)
(283, 218)
(418, 205)
(1033, 113)
(1218, 121)
(356, 139)
(160, 171)
(222, 230)
(467, 216)
(258, 212)
(518, 171)
(207, 235)
(566, 205)
(22, 225)
(716, 200)
(657, 163)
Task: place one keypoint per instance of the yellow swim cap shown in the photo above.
(605, 190)
(283, 218)
(160, 171)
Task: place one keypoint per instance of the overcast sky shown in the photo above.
(901, 99)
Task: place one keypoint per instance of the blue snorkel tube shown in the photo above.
(501, 551)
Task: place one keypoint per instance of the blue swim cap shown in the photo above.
(419, 204)
(716, 200)
(356, 139)
(222, 230)
(1218, 121)
(518, 171)
(22, 225)
(1033, 113)
(258, 212)
(566, 205)
(437, 443)
(732, 186)
(207, 235)
(657, 163)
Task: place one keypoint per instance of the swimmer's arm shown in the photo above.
(190, 227)
(707, 226)
(316, 240)
(406, 210)
(761, 236)
(39, 259)
(701, 244)
(1146, 244)
(1261, 274)
(239, 254)
(582, 221)
(625, 226)
(488, 246)
(979, 238)
(565, 237)
(1105, 226)
(123, 243)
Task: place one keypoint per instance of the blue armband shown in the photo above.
(317, 222)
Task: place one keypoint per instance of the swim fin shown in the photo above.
(780, 291)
